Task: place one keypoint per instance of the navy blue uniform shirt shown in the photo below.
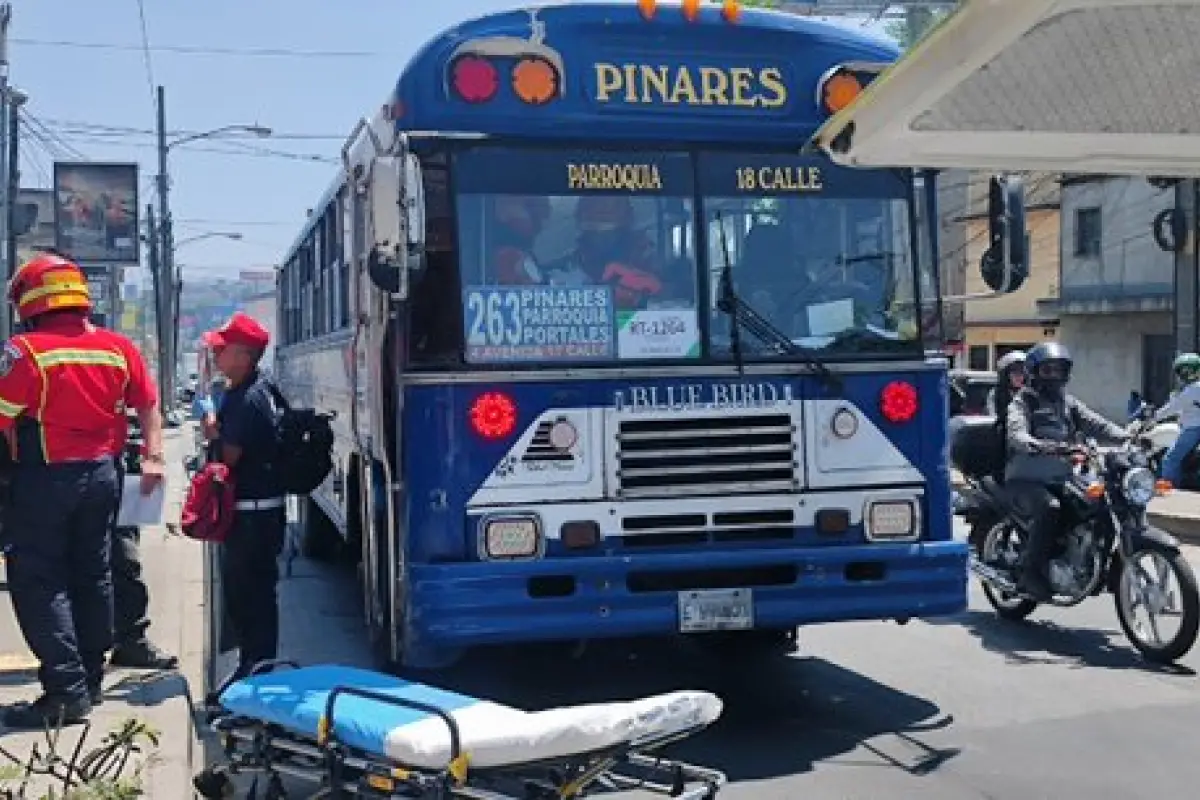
(248, 420)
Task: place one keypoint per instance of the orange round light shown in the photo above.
(647, 7)
(840, 91)
(535, 81)
(691, 9)
(731, 10)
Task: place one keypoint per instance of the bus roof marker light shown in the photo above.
(647, 7)
(731, 10)
(691, 10)
(837, 89)
(493, 415)
(898, 402)
(535, 81)
(474, 79)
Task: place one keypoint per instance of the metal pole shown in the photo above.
(7, 198)
(166, 290)
(152, 234)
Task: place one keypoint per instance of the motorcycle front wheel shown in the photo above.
(1140, 588)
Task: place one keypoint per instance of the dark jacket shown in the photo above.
(1032, 420)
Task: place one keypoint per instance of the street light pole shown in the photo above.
(165, 291)
(170, 282)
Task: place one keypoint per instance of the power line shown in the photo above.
(99, 129)
(251, 52)
(146, 48)
(246, 150)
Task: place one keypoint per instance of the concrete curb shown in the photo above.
(1185, 527)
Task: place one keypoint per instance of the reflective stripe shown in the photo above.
(54, 288)
(10, 410)
(69, 355)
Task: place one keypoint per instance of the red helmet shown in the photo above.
(48, 282)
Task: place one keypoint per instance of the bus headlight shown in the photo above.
(891, 520)
(511, 537)
(1138, 486)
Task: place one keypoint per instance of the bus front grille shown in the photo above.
(705, 456)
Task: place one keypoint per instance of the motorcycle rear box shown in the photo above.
(976, 446)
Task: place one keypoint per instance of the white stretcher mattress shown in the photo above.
(493, 735)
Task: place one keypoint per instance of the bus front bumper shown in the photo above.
(571, 598)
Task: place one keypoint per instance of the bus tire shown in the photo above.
(379, 623)
(319, 538)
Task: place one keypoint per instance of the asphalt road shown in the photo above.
(966, 707)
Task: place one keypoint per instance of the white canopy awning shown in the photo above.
(1086, 86)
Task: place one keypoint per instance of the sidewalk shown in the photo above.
(1178, 514)
(175, 573)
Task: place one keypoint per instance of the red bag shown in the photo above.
(210, 507)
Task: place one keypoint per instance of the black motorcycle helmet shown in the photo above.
(1048, 369)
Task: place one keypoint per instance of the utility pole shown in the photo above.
(165, 287)
(153, 236)
(7, 198)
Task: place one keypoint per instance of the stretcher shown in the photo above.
(356, 733)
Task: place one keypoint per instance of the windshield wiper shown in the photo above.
(742, 315)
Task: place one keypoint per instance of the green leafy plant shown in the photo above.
(111, 770)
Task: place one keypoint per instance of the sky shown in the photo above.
(306, 69)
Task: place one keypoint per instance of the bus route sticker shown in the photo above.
(658, 333)
(538, 323)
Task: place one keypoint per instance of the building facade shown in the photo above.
(1116, 291)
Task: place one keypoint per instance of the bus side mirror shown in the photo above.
(1004, 265)
(397, 206)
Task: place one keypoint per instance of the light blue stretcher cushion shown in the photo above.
(294, 699)
(492, 734)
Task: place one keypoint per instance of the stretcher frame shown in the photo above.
(251, 746)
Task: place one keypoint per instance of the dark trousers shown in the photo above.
(58, 569)
(1036, 504)
(249, 582)
(131, 596)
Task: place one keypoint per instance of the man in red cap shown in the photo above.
(245, 436)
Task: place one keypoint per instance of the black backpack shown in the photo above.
(305, 455)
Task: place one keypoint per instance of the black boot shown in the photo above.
(47, 712)
(142, 655)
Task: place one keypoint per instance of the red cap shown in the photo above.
(240, 329)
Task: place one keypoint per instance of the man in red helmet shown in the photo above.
(64, 388)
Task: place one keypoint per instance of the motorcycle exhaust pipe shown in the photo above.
(993, 576)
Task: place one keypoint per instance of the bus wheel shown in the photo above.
(319, 538)
(382, 617)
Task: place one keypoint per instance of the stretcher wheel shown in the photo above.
(213, 784)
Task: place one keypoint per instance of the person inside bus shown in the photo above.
(610, 251)
(519, 220)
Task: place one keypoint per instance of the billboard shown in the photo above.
(96, 211)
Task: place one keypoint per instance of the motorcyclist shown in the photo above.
(1010, 377)
(1043, 424)
(1186, 405)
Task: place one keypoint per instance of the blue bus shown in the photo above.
(609, 355)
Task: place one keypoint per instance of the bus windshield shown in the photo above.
(596, 256)
(823, 255)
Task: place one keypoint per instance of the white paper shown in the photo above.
(829, 319)
(138, 509)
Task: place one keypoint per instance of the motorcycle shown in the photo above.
(1102, 539)
(1159, 438)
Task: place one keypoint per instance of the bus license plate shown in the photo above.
(716, 610)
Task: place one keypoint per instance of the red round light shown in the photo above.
(494, 415)
(475, 79)
(898, 401)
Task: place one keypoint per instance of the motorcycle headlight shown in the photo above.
(1138, 486)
